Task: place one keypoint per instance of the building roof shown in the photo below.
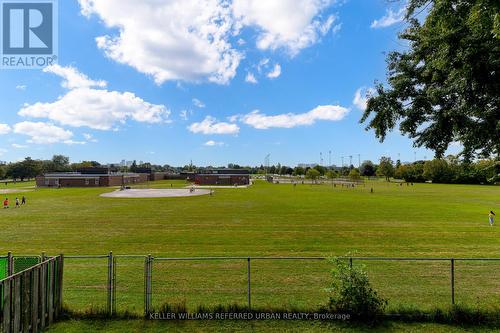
(81, 175)
(222, 174)
(225, 172)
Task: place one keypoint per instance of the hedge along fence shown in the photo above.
(31, 299)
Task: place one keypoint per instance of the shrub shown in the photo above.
(352, 293)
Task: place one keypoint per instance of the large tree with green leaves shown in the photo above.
(445, 86)
(313, 174)
(386, 168)
(26, 169)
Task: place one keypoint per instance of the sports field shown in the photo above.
(424, 220)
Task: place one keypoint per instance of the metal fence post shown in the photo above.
(110, 283)
(150, 282)
(452, 281)
(60, 281)
(145, 286)
(249, 284)
(148, 268)
(114, 286)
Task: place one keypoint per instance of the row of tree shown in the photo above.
(447, 170)
(30, 168)
(450, 170)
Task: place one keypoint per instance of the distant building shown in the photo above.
(223, 177)
(90, 177)
(307, 165)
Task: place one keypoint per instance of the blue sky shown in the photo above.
(215, 83)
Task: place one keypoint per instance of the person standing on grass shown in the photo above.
(6, 203)
(491, 217)
(23, 200)
(17, 203)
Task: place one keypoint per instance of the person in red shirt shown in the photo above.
(6, 203)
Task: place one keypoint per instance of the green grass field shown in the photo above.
(424, 220)
(139, 326)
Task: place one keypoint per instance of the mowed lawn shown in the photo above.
(424, 220)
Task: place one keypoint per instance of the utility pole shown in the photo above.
(350, 161)
(266, 163)
(359, 161)
(330, 158)
(320, 158)
(342, 161)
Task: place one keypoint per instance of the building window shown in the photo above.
(97, 181)
(86, 182)
(47, 182)
(56, 182)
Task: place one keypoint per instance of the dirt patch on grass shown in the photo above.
(14, 191)
(155, 193)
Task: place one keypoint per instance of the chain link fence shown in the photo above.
(86, 283)
(139, 284)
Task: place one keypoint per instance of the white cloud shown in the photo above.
(391, 17)
(275, 72)
(43, 133)
(18, 146)
(184, 114)
(21, 87)
(193, 40)
(198, 103)
(250, 78)
(289, 24)
(90, 138)
(210, 126)
(4, 129)
(97, 109)
(73, 142)
(170, 40)
(3, 151)
(263, 64)
(212, 143)
(73, 78)
(361, 97)
(290, 120)
(84, 106)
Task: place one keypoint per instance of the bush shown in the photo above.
(351, 292)
(354, 175)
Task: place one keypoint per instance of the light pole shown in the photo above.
(266, 163)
